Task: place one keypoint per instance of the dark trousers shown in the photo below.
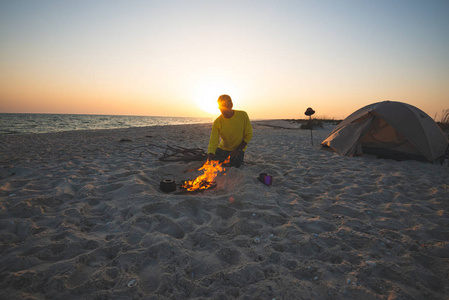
(221, 155)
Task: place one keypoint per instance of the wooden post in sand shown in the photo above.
(309, 112)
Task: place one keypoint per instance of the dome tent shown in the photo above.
(389, 129)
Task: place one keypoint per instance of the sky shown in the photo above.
(174, 58)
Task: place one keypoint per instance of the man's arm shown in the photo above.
(247, 136)
(213, 142)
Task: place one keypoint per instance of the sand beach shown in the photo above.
(82, 217)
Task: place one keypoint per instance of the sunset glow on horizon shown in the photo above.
(174, 58)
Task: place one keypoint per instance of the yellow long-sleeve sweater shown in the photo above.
(232, 132)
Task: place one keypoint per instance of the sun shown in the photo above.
(207, 93)
(208, 103)
(206, 99)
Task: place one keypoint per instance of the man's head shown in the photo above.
(224, 101)
(225, 105)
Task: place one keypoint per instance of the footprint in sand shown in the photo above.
(162, 224)
(160, 208)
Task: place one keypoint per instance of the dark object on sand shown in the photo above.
(265, 178)
(168, 184)
(178, 153)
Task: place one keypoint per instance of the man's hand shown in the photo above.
(235, 153)
(210, 156)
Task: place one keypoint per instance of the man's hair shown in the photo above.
(224, 98)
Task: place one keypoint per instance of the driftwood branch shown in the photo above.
(146, 150)
(178, 153)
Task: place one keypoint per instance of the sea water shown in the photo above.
(43, 123)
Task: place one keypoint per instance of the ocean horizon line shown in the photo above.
(29, 123)
(97, 114)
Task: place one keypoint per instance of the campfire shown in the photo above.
(206, 181)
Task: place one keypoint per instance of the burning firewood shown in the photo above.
(205, 181)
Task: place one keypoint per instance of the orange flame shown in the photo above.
(211, 169)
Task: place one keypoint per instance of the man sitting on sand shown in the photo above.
(235, 131)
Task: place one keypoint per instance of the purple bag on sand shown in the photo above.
(266, 179)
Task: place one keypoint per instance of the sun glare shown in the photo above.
(207, 93)
(208, 103)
